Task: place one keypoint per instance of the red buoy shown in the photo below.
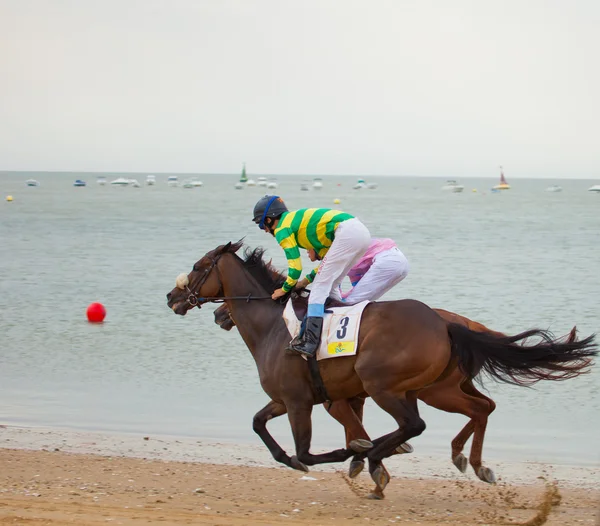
(96, 312)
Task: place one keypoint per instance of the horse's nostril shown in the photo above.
(168, 295)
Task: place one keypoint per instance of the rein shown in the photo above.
(194, 299)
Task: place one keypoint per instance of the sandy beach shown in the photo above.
(55, 477)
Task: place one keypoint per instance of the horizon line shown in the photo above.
(257, 174)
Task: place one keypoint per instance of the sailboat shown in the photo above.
(243, 179)
(503, 184)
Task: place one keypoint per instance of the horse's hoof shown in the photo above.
(360, 445)
(376, 495)
(381, 477)
(486, 474)
(296, 464)
(404, 448)
(460, 461)
(356, 466)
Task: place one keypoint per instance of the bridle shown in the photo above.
(195, 300)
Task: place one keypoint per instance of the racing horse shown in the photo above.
(426, 349)
(455, 394)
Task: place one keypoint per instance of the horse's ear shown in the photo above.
(234, 247)
(226, 247)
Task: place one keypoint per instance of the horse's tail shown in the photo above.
(505, 360)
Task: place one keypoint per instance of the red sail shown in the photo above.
(502, 179)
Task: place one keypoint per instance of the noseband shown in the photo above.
(195, 300)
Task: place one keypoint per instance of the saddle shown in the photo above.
(300, 303)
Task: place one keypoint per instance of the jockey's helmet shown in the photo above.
(268, 206)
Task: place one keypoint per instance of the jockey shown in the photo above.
(380, 268)
(338, 238)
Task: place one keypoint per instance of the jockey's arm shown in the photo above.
(287, 241)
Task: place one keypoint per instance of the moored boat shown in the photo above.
(452, 186)
(121, 181)
(503, 184)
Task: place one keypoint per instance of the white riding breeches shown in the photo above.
(351, 241)
(389, 268)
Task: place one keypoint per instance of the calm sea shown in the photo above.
(512, 260)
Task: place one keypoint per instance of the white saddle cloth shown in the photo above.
(340, 329)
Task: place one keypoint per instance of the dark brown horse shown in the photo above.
(455, 394)
(426, 350)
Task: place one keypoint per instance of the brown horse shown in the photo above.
(426, 350)
(455, 394)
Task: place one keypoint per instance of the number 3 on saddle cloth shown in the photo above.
(340, 329)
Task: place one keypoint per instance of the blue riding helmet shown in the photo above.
(268, 206)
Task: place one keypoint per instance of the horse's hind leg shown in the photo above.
(349, 413)
(403, 408)
(466, 400)
(259, 425)
(480, 424)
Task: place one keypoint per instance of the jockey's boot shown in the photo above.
(310, 339)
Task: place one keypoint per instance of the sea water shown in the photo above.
(512, 260)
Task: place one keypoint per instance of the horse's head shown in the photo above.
(223, 317)
(202, 282)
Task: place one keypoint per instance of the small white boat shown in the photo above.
(360, 184)
(239, 186)
(250, 182)
(151, 180)
(272, 183)
(79, 182)
(304, 186)
(121, 181)
(317, 183)
(452, 186)
(554, 188)
(262, 181)
(32, 182)
(101, 180)
(135, 183)
(595, 188)
(172, 180)
(192, 183)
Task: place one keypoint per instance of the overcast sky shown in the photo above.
(434, 88)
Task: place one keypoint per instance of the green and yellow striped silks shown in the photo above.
(306, 228)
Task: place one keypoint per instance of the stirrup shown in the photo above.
(298, 346)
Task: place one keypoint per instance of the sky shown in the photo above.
(422, 88)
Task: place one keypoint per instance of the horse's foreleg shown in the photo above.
(300, 421)
(259, 425)
(345, 413)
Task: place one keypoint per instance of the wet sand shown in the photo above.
(53, 477)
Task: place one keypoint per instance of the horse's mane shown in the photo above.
(265, 273)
